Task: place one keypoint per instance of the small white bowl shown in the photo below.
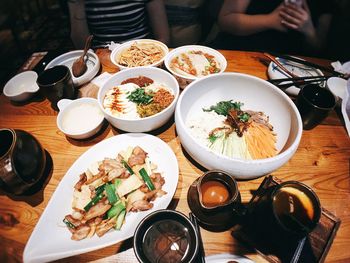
(257, 95)
(118, 50)
(71, 114)
(337, 86)
(22, 86)
(67, 59)
(148, 123)
(185, 80)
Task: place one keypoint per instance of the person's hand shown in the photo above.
(297, 18)
(275, 20)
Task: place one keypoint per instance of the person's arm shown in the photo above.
(234, 20)
(78, 25)
(299, 19)
(158, 20)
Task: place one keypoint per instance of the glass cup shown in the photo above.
(314, 104)
(296, 208)
(22, 161)
(56, 83)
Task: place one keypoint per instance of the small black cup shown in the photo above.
(314, 104)
(56, 83)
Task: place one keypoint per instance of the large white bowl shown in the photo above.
(118, 50)
(148, 123)
(257, 95)
(185, 80)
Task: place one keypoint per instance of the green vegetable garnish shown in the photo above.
(139, 96)
(115, 209)
(244, 117)
(120, 220)
(212, 138)
(68, 223)
(127, 167)
(146, 179)
(110, 191)
(223, 107)
(94, 201)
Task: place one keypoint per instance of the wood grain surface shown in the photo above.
(321, 161)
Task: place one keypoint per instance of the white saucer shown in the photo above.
(274, 72)
(67, 59)
(221, 258)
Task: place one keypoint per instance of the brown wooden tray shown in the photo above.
(276, 248)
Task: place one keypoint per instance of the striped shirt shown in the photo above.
(116, 20)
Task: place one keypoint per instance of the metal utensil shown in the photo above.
(79, 66)
(201, 253)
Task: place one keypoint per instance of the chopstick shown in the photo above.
(274, 60)
(298, 79)
(308, 63)
(201, 253)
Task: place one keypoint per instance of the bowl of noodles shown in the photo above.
(191, 62)
(139, 53)
(139, 99)
(238, 123)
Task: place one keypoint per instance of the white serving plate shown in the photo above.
(67, 59)
(225, 257)
(51, 240)
(274, 72)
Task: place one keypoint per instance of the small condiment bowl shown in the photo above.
(166, 236)
(115, 54)
(71, 114)
(296, 208)
(217, 190)
(22, 86)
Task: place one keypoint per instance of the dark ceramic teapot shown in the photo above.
(22, 160)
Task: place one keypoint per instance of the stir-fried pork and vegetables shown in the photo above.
(111, 188)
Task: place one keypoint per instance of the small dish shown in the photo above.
(184, 78)
(22, 86)
(117, 52)
(67, 59)
(80, 118)
(337, 86)
(166, 236)
(274, 72)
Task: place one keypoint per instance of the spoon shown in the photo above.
(79, 66)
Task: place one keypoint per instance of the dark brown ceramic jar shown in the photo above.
(22, 160)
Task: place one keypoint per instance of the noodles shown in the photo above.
(226, 129)
(140, 54)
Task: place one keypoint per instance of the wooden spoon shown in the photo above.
(79, 66)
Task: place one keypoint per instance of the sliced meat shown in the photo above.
(105, 225)
(97, 210)
(81, 232)
(138, 156)
(81, 181)
(141, 205)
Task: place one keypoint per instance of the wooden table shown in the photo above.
(321, 161)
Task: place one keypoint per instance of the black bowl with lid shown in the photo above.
(166, 236)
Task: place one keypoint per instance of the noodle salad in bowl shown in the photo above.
(139, 53)
(238, 123)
